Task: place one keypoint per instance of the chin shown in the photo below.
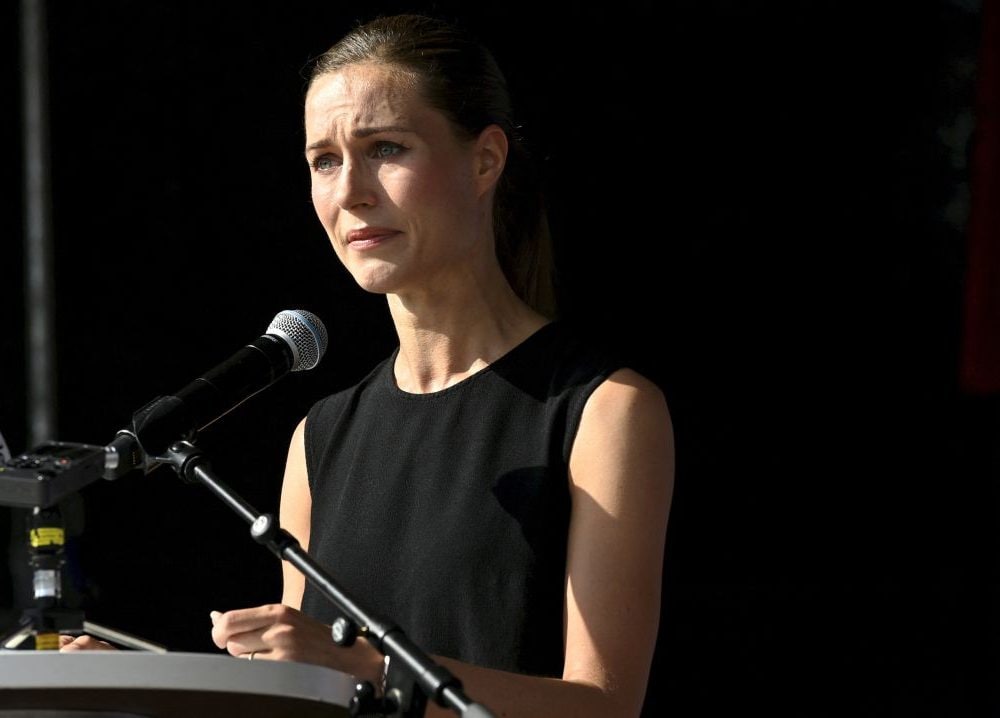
(375, 282)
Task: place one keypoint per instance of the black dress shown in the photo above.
(447, 513)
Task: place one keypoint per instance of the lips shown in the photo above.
(369, 234)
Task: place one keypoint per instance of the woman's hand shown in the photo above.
(69, 644)
(281, 633)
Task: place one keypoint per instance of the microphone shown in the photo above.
(295, 341)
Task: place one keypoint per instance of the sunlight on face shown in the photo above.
(392, 184)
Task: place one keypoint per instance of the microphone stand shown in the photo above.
(414, 677)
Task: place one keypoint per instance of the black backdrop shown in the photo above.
(764, 201)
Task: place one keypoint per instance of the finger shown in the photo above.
(241, 645)
(259, 639)
(75, 643)
(263, 654)
(86, 643)
(246, 620)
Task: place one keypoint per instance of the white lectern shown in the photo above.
(132, 684)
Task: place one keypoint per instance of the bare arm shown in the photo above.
(294, 514)
(621, 473)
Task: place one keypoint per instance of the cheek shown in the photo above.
(402, 186)
(428, 190)
(318, 194)
(326, 212)
(324, 205)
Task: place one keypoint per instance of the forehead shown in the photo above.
(362, 95)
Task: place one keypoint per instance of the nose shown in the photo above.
(356, 186)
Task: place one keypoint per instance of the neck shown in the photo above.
(447, 337)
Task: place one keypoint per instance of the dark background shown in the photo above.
(764, 202)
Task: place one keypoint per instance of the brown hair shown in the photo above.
(461, 79)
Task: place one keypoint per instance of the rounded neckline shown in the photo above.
(390, 374)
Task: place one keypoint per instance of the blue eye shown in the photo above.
(383, 149)
(324, 163)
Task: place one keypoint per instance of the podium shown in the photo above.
(129, 684)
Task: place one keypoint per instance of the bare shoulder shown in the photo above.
(627, 393)
(625, 436)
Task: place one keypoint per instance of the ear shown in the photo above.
(490, 157)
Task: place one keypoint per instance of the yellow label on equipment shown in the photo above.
(47, 642)
(47, 536)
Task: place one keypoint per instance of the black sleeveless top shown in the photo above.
(447, 513)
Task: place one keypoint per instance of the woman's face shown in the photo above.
(393, 186)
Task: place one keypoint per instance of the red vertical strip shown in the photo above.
(980, 364)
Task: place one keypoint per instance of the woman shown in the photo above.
(498, 487)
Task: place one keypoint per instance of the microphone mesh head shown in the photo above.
(305, 335)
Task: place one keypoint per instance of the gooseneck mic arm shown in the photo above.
(414, 678)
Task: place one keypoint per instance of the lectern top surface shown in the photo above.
(189, 672)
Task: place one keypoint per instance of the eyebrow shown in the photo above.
(361, 133)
